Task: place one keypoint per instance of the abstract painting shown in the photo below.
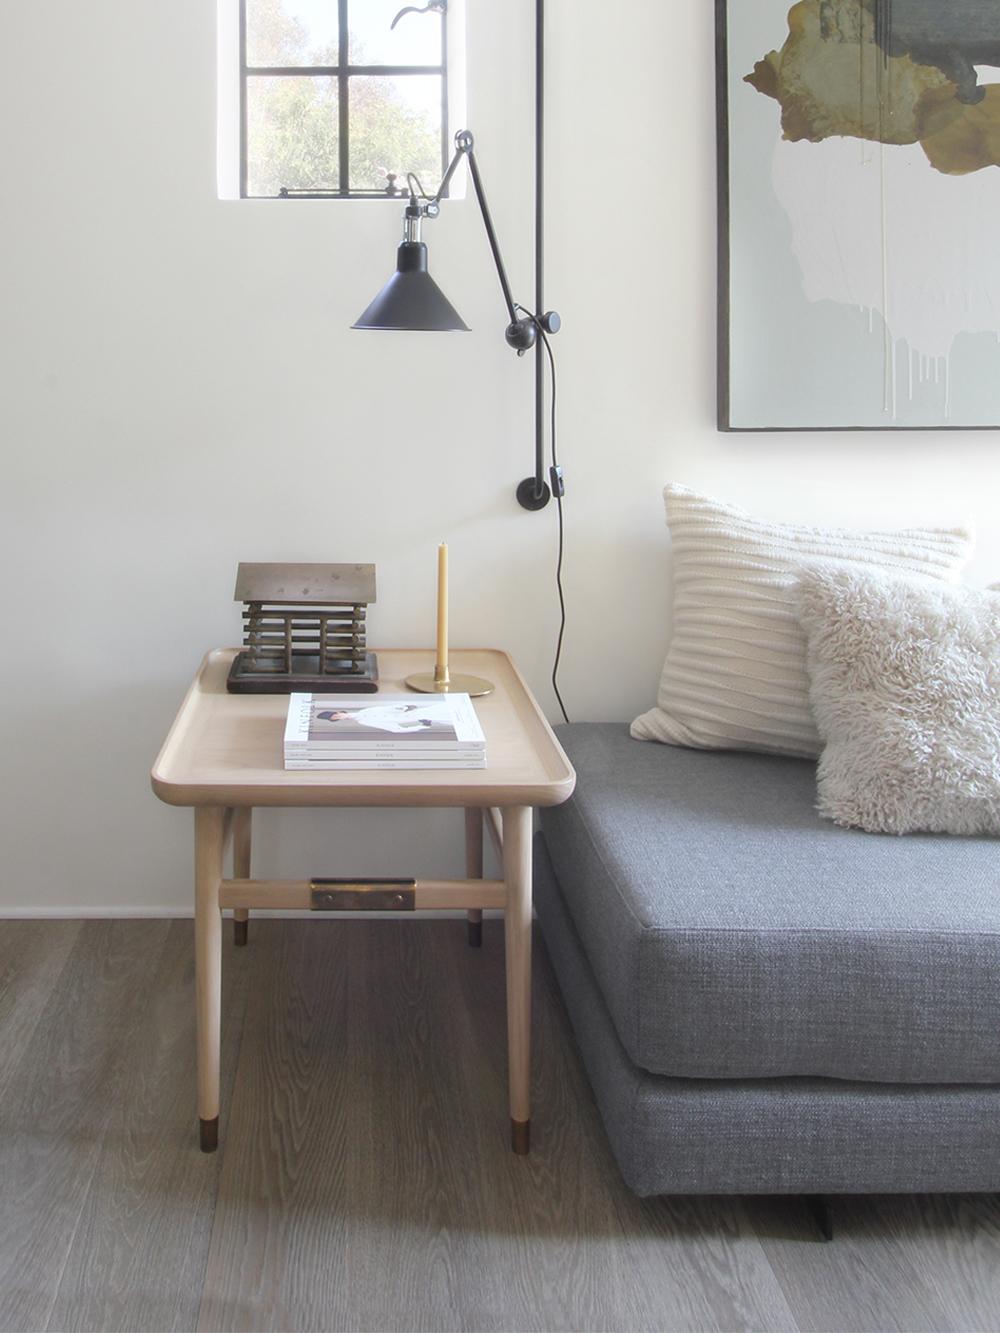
(859, 193)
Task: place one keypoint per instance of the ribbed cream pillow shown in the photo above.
(735, 675)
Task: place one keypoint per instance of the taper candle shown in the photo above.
(441, 670)
(441, 681)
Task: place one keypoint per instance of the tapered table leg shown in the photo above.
(208, 845)
(474, 869)
(517, 934)
(242, 841)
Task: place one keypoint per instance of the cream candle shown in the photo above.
(441, 670)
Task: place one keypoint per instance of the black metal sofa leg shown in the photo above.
(821, 1213)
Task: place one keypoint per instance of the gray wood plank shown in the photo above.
(278, 1238)
(494, 1231)
(679, 1263)
(139, 1250)
(954, 1239)
(56, 1105)
(418, 1162)
(865, 1279)
(700, 1258)
(327, 1174)
(364, 1179)
(32, 956)
(369, 1180)
(951, 1243)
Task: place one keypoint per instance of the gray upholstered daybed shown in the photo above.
(766, 1002)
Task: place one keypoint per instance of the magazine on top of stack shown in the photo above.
(337, 731)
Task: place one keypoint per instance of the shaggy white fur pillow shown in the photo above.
(905, 688)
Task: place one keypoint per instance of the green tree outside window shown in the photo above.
(293, 121)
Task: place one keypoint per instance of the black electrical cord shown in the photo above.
(556, 492)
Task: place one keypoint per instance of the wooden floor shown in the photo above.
(364, 1179)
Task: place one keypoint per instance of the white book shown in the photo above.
(360, 765)
(327, 724)
(383, 752)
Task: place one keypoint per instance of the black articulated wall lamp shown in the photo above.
(412, 300)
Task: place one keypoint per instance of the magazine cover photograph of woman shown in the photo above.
(425, 720)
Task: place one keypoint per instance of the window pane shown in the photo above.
(292, 32)
(292, 134)
(395, 126)
(415, 40)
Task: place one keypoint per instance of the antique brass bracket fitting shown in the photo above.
(372, 895)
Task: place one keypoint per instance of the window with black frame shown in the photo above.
(339, 99)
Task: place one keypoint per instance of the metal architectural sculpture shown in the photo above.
(304, 628)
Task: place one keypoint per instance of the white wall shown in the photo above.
(180, 390)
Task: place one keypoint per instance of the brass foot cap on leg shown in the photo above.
(240, 933)
(520, 1136)
(209, 1134)
(475, 934)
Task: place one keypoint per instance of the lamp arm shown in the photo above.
(491, 236)
(524, 328)
(521, 332)
(460, 152)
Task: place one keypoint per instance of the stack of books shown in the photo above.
(336, 731)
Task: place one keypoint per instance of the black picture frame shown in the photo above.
(724, 275)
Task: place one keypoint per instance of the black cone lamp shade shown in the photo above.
(411, 299)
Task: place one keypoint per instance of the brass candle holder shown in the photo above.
(441, 681)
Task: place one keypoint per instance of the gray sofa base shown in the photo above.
(766, 1136)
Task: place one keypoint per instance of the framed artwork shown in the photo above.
(859, 214)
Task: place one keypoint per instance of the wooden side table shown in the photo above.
(223, 756)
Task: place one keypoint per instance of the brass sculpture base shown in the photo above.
(426, 682)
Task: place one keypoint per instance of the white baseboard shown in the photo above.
(90, 913)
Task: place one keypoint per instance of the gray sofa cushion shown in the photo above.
(772, 1135)
(734, 934)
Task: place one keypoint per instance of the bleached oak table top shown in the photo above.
(227, 749)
